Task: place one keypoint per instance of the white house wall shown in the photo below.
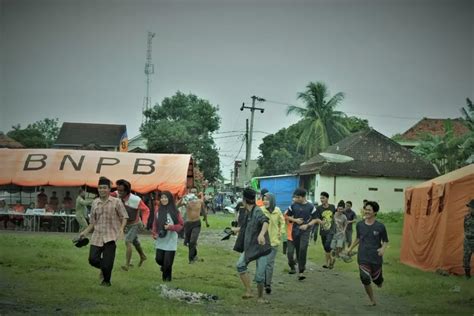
(358, 189)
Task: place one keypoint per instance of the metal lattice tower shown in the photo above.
(149, 70)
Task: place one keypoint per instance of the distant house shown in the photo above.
(137, 144)
(7, 142)
(379, 169)
(239, 173)
(411, 138)
(90, 136)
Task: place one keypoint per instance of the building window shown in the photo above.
(373, 189)
(398, 190)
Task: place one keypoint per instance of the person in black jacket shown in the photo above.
(254, 244)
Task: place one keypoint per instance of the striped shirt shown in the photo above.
(107, 220)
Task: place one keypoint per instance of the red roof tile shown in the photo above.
(7, 142)
(433, 127)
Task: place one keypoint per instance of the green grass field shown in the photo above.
(43, 273)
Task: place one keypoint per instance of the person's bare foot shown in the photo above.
(372, 303)
(261, 300)
(124, 268)
(142, 259)
(247, 295)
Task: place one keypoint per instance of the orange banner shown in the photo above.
(57, 167)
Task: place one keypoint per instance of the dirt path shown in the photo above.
(322, 292)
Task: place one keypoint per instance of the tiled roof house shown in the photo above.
(380, 170)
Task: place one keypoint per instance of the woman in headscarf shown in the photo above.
(276, 228)
(168, 222)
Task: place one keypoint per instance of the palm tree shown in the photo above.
(324, 125)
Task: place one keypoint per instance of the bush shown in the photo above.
(391, 217)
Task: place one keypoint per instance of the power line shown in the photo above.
(355, 113)
(240, 149)
(230, 136)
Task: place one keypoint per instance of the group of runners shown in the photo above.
(259, 230)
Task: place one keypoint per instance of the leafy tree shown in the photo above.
(28, 137)
(355, 124)
(324, 125)
(184, 124)
(49, 128)
(467, 146)
(445, 152)
(40, 134)
(280, 152)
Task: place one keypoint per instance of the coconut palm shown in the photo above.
(324, 125)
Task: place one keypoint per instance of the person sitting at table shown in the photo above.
(4, 217)
(41, 199)
(28, 222)
(67, 203)
(18, 219)
(46, 221)
(54, 202)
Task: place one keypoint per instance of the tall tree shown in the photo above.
(184, 123)
(324, 125)
(445, 151)
(28, 137)
(279, 152)
(467, 146)
(40, 134)
(355, 124)
(49, 128)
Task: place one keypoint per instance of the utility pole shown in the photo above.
(248, 152)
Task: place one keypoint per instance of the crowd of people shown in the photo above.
(260, 231)
(48, 206)
(261, 227)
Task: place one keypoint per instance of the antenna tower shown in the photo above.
(149, 70)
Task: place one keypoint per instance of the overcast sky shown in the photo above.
(82, 61)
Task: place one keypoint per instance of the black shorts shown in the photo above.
(326, 241)
(371, 273)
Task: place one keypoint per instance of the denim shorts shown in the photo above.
(260, 270)
(131, 231)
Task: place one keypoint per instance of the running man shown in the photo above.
(372, 238)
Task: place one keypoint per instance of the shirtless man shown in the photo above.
(192, 226)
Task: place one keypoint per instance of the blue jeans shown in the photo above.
(270, 266)
(259, 272)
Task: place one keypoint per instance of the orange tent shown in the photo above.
(433, 229)
(56, 167)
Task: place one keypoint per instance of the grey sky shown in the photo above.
(83, 61)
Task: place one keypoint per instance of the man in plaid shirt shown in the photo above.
(107, 221)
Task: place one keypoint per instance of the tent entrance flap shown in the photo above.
(146, 172)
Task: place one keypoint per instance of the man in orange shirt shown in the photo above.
(290, 250)
(18, 219)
